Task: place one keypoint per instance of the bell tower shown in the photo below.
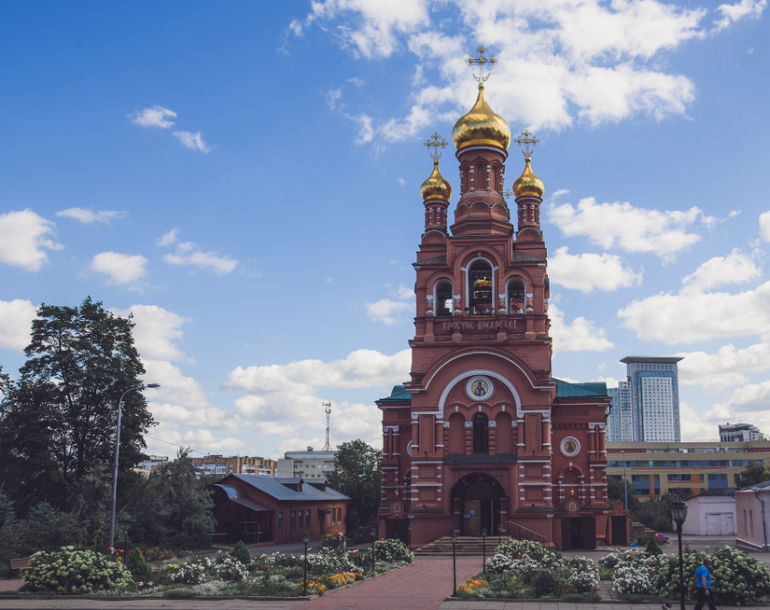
(467, 442)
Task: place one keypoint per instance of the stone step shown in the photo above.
(466, 546)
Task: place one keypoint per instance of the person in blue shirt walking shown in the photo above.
(703, 583)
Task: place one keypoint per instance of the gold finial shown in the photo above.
(481, 61)
(529, 141)
(506, 194)
(435, 142)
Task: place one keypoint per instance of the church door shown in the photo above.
(473, 517)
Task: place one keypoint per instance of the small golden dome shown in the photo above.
(528, 184)
(436, 186)
(481, 126)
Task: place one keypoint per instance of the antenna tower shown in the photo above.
(328, 409)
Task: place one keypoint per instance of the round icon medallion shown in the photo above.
(570, 446)
(479, 388)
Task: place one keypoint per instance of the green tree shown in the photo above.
(174, 502)
(58, 420)
(616, 491)
(358, 474)
(753, 474)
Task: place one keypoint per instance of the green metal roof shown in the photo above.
(399, 394)
(576, 390)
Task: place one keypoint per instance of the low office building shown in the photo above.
(307, 464)
(268, 510)
(222, 466)
(684, 468)
(752, 506)
(151, 464)
(731, 433)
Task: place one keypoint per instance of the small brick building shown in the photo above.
(268, 510)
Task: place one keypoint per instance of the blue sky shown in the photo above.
(244, 178)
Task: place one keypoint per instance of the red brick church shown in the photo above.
(483, 437)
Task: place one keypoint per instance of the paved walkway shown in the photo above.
(420, 586)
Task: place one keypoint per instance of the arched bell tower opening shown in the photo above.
(478, 497)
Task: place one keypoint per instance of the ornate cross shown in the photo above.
(481, 61)
(528, 140)
(435, 142)
(506, 194)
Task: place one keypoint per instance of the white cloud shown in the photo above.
(121, 268)
(365, 128)
(627, 227)
(157, 116)
(588, 271)
(695, 426)
(175, 387)
(23, 235)
(580, 335)
(211, 417)
(88, 216)
(751, 397)
(189, 254)
(764, 226)
(590, 61)
(357, 82)
(734, 12)
(727, 367)
(404, 293)
(333, 96)
(401, 181)
(384, 311)
(16, 323)
(168, 238)
(690, 316)
(221, 265)
(193, 141)
(156, 332)
(734, 268)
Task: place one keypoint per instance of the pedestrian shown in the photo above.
(703, 584)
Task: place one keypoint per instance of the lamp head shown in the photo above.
(679, 511)
(152, 385)
(306, 538)
(454, 538)
(484, 532)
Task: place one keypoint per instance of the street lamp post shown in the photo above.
(410, 535)
(679, 513)
(454, 565)
(374, 553)
(625, 482)
(306, 540)
(499, 533)
(484, 549)
(117, 453)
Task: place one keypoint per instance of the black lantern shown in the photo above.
(453, 538)
(374, 551)
(306, 540)
(679, 513)
(484, 549)
(410, 535)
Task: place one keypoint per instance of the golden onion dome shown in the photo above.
(481, 126)
(528, 184)
(436, 186)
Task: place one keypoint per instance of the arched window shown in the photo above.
(480, 433)
(516, 301)
(443, 298)
(480, 288)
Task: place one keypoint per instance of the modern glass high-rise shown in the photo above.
(620, 425)
(654, 388)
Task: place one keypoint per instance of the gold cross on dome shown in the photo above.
(528, 141)
(481, 61)
(506, 194)
(435, 142)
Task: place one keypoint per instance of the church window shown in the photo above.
(516, 300)
(480, 288)
(480, 433)
(443, 298)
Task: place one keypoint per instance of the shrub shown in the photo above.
(516, 548)
(241, 553)
(545, 583)
(653, 548)
(500, 564)
(392, 550)
(138, 565)
(326, 561)
(584, 581)
(230, 568)
(74, 572)
(629, 579)
(286, 560)
(192, 573)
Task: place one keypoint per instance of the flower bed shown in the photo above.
(522, 569)
(70, 571)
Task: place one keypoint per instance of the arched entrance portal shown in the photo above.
(477, 499)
